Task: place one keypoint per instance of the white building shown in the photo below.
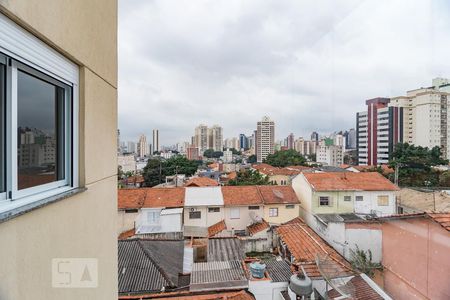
(330, 155)
(201, 138)
(131, 147)
(215, 138)
(143, 148)
(127, 162)
(227, 156)
(265, 138)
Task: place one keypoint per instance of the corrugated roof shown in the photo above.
(217, 275)
(225, 249)
(349, 181)
(279, 270)
(273, 194)
(203, 196)
(241, 195)
(305, 246)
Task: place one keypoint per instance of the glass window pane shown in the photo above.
(40, 121)
(2, 126)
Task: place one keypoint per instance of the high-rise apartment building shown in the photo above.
(426, 119)
(378, 130)
(243, 142)
(330, 155)
(305, 148)
(215, 138)
(350, 139)
(201, 137)
(315, 137)
(265, 138)
(143, 148)
(290, 141)
(131, 147)
(155, 141)
(192, 152)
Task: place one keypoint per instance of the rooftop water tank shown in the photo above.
(301, 285)
(257, 269)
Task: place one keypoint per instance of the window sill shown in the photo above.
(11, 209)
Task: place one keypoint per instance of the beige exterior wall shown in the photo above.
(126, 221)
(84, 225)
(244, 217)
(279, 178)
(284, 214)
(207, 218)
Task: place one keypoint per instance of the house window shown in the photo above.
(290, 206)
(347, 198)
(38, 119)
(273, 212)
(195, 215)
(253, 208)
(213, 209)
(383, 200)
(234, 213)
(359, 198)
(324, 201)
(153, 217)
(131, 211)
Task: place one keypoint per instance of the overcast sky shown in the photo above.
(308, 65)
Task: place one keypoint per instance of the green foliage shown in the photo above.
(362, 261)
(208, 153)
(119, 172)
(235, 152)
(249, 177)
(415, 165)
(251, 159)
(285, 158)
(156, 170)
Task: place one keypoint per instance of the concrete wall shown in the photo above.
(244, 217)
(416, 260)
(284, 214)
(207, 218)
(85, 225)
(125, 221)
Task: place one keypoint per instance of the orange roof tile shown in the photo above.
(130, 198)
(134, 179)
(127, 234)
(216, 228)
(305, 245)
(187, 295)
(232, 175)
(164, 197)
(273, 194)
(442, 218)
(258, 227)
(348, 181)
(201, 181)
(241, 195)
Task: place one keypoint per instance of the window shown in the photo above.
(359, 198)
(253, 208)
(324, 201)
(131, 211)
(383, 200)
(234, 213)
(213, 209)
(273, 212)
(347, 198)
(290, 206)
(195, 215)
(153, 217)
(38, 119)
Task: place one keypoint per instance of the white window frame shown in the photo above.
(235, 213)
(271, 210)
(26, 52)
(328, 199)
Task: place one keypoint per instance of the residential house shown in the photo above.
(279, 176)
(281, 203)
(345, 192)
(59, 62)
(416, 257)
(201, 181)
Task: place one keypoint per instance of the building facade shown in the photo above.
(330, 155)
(201, 138)
(143, 147)
(155, 141)
(378, 130)
(62, 208)
(265, 138)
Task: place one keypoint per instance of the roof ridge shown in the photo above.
(157, 266)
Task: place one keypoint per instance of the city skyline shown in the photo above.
(236, 66)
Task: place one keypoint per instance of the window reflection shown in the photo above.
(2, 127)
(40, 131)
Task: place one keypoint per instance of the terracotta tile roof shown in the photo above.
(216, 228)
(241, 195)
(359, 290)
(232, 175)
(258, 227)
(287, 171)
(386, 169)
(442, 218)
(273, 194)
(164, 197)
(348, 181)
(150, 197)
(127, 234)
(187, 295)
(134, 179)
(201, 181)
(305, 245)
(130, 198)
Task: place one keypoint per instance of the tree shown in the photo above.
(415, 164)
(119, 172)
(285, 158)
(251, 159)
(156, 169)
(217, 154)
(250, 177)
(362, 261)
(208, 153)
(235, 152)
